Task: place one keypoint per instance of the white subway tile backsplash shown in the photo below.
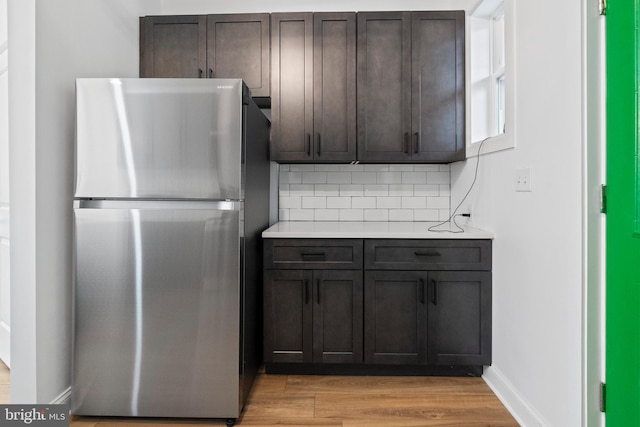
(401, 190)
(414, 202)
(426, 215)
(301, 215)
(438, 178)
(301, 190)
(363, 202)
(327, 190)
(353, 190)
(372, 192)
(401, 215)
(376, 215)
(389, 178)
(364, 178)
(314, 202)
(339, 178)
(338, 202)
(314, 177)
(426, 190)
(414, 177)
(351, 215)
(327, 215)
(389, 203)
(376, 190)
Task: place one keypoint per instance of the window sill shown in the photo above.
(491, 145)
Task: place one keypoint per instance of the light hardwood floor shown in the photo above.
(4, 383)
(353, 401)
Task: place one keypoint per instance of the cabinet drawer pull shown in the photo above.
(416, 147)
(308, 145)
(406, 142)
(427, 253)
(199, 73)
(318, 291)
(306, 292)
(421, 296)
(434, 292)
(313, 256)
(210, 73)
(319, 146)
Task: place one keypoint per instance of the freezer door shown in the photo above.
(159, 138)
(157, 309)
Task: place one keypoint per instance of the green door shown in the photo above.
(623, 217)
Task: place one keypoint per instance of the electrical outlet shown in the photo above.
(523, 179)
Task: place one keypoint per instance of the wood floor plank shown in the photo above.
(438, 409)
(387, 384)
(281, 405)
(290, 422)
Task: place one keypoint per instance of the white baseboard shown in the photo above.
(63, 398)
(515, 403)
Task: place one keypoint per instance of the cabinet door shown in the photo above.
(238, 47)
(459, 318)
(384, 86)
(173, 46)
(437, 43)
(334, 86)
(292, 86)
(395, 317)
(337, 316)
(287, 316)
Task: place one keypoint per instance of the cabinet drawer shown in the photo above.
(345, 254)
(428, 254)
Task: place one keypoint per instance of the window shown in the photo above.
(491, 76)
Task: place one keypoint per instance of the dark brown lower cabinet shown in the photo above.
(313, 316)
(433, 318)
(377, 306)
(395, 317)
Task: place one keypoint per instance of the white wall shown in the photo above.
(52, 43)
(537, 256)
(182, 7)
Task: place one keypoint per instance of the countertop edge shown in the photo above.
(367, 230)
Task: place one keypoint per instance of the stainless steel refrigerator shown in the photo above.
(171, 195)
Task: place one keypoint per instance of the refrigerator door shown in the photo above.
(159, 138)
(157, 301)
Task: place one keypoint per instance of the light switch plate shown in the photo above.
(523, 179)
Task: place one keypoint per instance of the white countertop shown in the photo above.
(368, 230)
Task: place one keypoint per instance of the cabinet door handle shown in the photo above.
(306, 292)
(199, 73)
(319, 146)
(416, 146)
(406, 142)
(210, 73)
(427, 253)
(313, 256)
(421, 295)
(308, 145)
(434, 292)
(318, 291)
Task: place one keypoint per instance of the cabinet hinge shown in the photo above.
(603, 397)
(603, 199)
(602, 7)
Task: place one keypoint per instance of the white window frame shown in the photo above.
(488, 10)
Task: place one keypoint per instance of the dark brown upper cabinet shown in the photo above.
(411, 90)
(238, 47)
(313, 87)
(220, 46)
(173, 46)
